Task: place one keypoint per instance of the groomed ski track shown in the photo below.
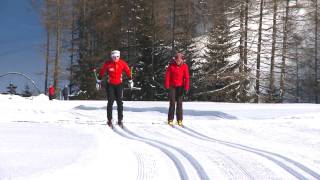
(194, 155)
(230, 167)
(218, 140)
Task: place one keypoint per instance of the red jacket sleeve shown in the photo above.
(186, 78)
(51, 90)
(102, 70)
(167, 78)
(127, 69)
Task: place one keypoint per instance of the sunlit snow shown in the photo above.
(42, 139)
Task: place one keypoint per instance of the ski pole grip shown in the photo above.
(95, 73)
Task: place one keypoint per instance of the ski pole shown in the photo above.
(95, 74)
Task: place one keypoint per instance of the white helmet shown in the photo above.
(115, 53)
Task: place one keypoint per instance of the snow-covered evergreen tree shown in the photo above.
(219, 79)
(26, 92)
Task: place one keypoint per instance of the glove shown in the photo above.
(130, 84)
(98, 84)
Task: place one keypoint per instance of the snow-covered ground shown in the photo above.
(42, 139)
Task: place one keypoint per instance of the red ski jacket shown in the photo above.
(177, 76)
(114, 70)
(51, 90)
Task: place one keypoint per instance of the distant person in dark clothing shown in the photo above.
(51, 92)
(65, 93)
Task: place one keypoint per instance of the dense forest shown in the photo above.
(237, 50)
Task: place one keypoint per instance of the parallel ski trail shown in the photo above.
(227, 159)
(196, 165)
(268, 155)
(179, 166)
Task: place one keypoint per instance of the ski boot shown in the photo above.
(120, 124)
(179, 122)
(170, 122)
(109, 123)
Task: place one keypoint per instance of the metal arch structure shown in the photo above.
(23, 75)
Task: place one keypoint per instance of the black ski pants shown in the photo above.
(175, 96)
(51, 97)
(115, 92)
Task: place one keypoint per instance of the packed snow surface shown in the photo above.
(43, 140)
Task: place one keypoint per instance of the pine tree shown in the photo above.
(149, 54)
(98, 31)
(144, 41)
(26, 92)
(219, 72)
(12, 88)
(186, 34)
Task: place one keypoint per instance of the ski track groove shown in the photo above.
(196, 165)
(140, 166)
(146, 170)
(227, 158)
(140, 175)
(268, 155)
(78, 114)
(237, 164)
(179, 166)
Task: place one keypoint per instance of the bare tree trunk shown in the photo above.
(173, 26)
(129, 19)
(241, 36)
(259, 53)
(284, 53)
(245, 53)
(241, 50)
(245, 50)
(58, 46)
(47, 46)
(71, 83)
(297, 72)
(316, 54)
(153, 39)
(47, 60)
(273, 51)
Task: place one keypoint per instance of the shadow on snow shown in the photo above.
(164, 110)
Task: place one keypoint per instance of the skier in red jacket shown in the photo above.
(51, 92)
(177, 81)
(115, 68)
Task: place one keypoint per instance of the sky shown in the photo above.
(21, 38)
(64, 140)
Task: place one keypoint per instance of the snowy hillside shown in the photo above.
(41, 139)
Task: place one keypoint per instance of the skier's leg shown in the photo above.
(172, 100)
(179, 97)
(119, 99)
(111, 96)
